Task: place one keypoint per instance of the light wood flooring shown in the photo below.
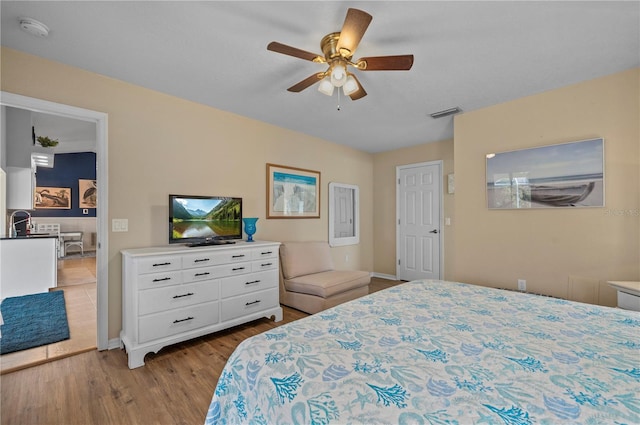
(174, 387)
(77, 278)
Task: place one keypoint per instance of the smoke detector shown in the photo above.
(34, 27)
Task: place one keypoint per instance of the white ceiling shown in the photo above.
(467, 54)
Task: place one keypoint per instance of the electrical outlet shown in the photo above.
(522, 285)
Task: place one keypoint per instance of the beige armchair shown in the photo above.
(308, 281)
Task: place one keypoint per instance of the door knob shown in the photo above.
(434, 231)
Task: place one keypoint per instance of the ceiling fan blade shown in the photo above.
(274, 46)
(307, 82)
(386, 63)
(354, 27)
(360, 93)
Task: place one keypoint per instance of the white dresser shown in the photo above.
(172, 294)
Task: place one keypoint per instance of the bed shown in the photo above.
(436, 352)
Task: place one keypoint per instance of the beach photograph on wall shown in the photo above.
(292, 192)
(566, 175)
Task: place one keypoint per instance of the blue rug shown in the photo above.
(33, 320)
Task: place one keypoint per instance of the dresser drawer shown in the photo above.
(160, 325)
(202, 259)
(155, 280)
(170, 297)
(157, 264)
(212, 258)
(249, 303)
(258, 254)
(244, 284)
(203, 273)
(628, 301)
(264, 264)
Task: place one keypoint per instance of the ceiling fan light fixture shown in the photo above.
(326, 87)
(350, 86)
(338, 74)
(345, 53)
(338, 49)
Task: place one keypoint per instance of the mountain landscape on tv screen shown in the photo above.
(224, 210)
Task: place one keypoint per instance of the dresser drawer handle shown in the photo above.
(253, 302)
(201, 274)
(266, 264)
(266, 253)
(160, 280)
(182, 320)
(161, 264)
(237, 256)
(249, 283)
(183, 295)
(200, 260)
(237, 268)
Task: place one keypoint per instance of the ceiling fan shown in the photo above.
(338, 49)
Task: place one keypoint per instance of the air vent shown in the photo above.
(446, 112)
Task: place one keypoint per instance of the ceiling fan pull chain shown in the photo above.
(338, 99)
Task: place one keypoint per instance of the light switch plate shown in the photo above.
(119, 225)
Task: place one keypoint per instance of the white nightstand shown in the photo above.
(628, 294)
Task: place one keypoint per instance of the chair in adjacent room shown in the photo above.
(74, 242)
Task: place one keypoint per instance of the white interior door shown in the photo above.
(419, 199)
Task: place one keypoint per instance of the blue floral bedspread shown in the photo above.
(434, 352)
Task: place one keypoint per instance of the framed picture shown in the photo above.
(53, 198)
(292, 192)
(87, 193)
(567, 175)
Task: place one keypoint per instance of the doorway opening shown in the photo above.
(100, 260)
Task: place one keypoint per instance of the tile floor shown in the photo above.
(77, 278)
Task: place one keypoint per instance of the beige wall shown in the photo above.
(384, 199)
(568, 252)
(159, 144)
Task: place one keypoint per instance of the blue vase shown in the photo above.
(250, 227)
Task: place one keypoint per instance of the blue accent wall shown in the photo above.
(67, 169)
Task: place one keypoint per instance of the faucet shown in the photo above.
(12, 223)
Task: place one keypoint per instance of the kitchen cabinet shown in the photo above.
(21, 186)
(28, 265)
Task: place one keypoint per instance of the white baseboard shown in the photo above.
(113, 344)
(383, 276)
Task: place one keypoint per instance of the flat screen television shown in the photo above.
(194, 219)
